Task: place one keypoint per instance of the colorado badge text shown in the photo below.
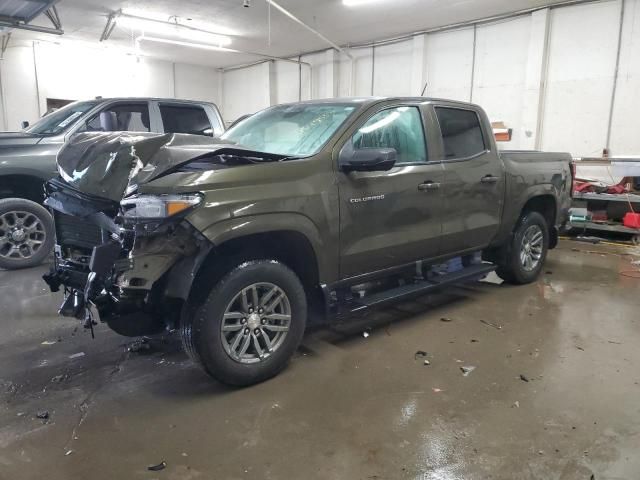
(366, 199)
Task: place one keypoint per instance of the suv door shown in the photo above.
(390, 218)
(188, 118)
(473, 181)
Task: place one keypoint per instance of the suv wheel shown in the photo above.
(26, 233)
(525, 256)
(250, 324)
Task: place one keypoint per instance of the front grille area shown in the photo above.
(74, 231)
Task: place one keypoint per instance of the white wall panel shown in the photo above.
(193, 82)
(286, 78)
(625, 139)
(19, 85)
(449, 60)
(500, 72)
(393, 70)
(324, 78)
(355, 76)
(246, 90)
(75, 72)
(582, 53)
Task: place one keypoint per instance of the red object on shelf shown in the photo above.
(631, 220)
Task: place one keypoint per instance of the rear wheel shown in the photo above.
(26, 233)
(250, 324)
(524, 257)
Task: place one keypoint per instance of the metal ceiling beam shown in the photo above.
(287, 13)
(111, 24)
(32, 28)
(4, 44)
(52, 14)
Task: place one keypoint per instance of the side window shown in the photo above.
(399, 128)
(461, 133)
(185, 119)
(121, 118)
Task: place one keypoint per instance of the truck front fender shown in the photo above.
(238, 227)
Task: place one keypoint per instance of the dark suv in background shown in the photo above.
(28, 159)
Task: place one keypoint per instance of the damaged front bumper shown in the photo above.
(135, 274)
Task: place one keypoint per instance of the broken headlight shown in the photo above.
(158, 206)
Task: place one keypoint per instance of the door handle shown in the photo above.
(426, 186)
(489, 179)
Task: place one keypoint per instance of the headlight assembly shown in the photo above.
(158, 206)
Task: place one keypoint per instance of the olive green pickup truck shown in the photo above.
(324, 207)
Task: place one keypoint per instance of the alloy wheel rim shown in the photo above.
(22, 235)
(256, 322)
(531, 248)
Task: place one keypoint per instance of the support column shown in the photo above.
(535, 81)
(418, 64)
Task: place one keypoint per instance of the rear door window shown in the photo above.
(461, 133)
(122, 117)
(185, 119)
(399, 128)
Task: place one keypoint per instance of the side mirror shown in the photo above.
(25, 124)
(208, 132)
(368, 159)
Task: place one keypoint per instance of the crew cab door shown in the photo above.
(390, 218)
(474, 180)
(192, 118)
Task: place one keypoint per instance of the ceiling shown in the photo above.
(249, 27)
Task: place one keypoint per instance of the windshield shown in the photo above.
(59, 120)
(297, 130)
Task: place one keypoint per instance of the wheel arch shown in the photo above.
(547, 206)
(290, 247)
(22, 185)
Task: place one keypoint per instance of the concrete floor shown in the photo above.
(348, 406)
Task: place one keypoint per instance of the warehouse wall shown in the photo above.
(548, 75)
(31, 72)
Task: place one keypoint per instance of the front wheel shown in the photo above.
(525, 256)
(250, 324)
(26, 233)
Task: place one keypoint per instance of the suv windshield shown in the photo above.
(59, 120)
(298, 130)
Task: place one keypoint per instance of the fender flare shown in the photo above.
(238, 227)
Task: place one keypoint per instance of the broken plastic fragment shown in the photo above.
(497, 327)
(156, 468)
(466, 371)
(48, 342)
(77, 355)
(420, 354)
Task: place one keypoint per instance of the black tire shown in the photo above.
(201, 326)
(512, 269)
(12, 248)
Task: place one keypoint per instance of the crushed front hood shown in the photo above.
(109, 165)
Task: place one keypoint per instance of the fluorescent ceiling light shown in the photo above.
(358, 3)
(161, 27)
(184, 44)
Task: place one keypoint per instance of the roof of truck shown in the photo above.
(372, 100)
(156, 99)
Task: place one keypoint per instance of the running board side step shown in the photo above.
(467, 274)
